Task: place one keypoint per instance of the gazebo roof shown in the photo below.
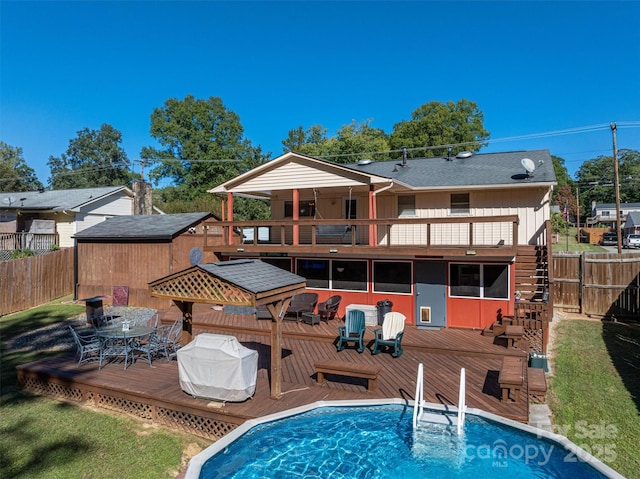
(241, 282)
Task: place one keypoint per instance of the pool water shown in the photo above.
(379, 442)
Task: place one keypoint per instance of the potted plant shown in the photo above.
(517, 295)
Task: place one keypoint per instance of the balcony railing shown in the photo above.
(390, 233)
(24, 240)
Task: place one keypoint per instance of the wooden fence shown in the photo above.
(599, 284)
(29, 282)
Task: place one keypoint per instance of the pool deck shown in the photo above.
(154, 394)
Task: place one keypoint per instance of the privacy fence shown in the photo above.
(599, 284)
(32, 281)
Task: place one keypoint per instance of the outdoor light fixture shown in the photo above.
(240, 250)
(470, 252)
(333, 250)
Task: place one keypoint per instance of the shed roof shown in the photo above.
(140, 227)
(57, 200)
(241, 282)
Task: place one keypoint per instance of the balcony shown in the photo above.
(32, 241)
(449, 236)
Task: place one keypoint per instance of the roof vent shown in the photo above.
(364, 161)
(464, 154)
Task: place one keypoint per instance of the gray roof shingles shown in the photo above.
(252, 275)
(56, 199)
(487, 169)
(140, 227)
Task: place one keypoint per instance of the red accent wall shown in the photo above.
(403, 303)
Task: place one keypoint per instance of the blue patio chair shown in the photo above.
(87, 346)
(115, 346)
(166, 340)
(353, 330)
(390, 335)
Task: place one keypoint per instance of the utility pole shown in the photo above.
(578, 212)
(617, 185)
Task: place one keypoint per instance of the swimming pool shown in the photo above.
(376, 440)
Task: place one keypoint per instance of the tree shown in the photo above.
(357, 141)
(460, 125)
(597, 182)
(15, 174)
(312, 142)
(202, 145)
(93, 158)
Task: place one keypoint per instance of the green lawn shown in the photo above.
(595, 391)
(568, 242)
(44, 438)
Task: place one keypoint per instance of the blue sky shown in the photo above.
(531, 67)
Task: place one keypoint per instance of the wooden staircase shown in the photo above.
(532, 272)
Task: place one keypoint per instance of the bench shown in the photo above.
(332, 231)
(364, 371)
(511, 377)
(536, 384)
(513, 334)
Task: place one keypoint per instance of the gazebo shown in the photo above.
(242, 282)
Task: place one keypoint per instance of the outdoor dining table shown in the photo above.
(128, 335)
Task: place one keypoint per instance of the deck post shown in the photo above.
(186, 307)
(277, 311)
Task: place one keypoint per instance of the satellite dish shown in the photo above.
(528, 165)
(195, 256)
(9, 200)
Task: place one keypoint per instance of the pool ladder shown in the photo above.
(419, 415)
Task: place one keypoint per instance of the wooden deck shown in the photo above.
(154, 394)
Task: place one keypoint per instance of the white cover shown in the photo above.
(218, 367)
(392, 325)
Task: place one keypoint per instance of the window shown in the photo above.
(335, 274)
(316, 271)
(479, 280)
(406, 205)
(350, 209)
(392, 277)
(605, 213)
(305, 208)
(282, 263)
(460, 204)
(349, 275)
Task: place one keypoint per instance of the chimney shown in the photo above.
(142, 201)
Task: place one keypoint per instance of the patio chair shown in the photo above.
(166, 340)
(390, 335)
(302, 303)
(115, 346)
(329, 308)
(87, 346)
(144, 347)
(353, 330)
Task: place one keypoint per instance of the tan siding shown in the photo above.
(292, 175)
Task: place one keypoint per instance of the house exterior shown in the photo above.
(606, 213)
(61, 213)
(130, 251)
(631, 224)
(447, 240)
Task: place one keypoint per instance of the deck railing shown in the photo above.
(469, 232)
(32, 241)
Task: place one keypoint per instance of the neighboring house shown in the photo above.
(447, 240)
(131, 251)
(632, 224)
(62, 213)
(605, 213)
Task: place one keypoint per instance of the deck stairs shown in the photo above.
(532, 280)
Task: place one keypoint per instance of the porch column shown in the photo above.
(186, 307)
(372, 216)
(230, 215)
(296, 216)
